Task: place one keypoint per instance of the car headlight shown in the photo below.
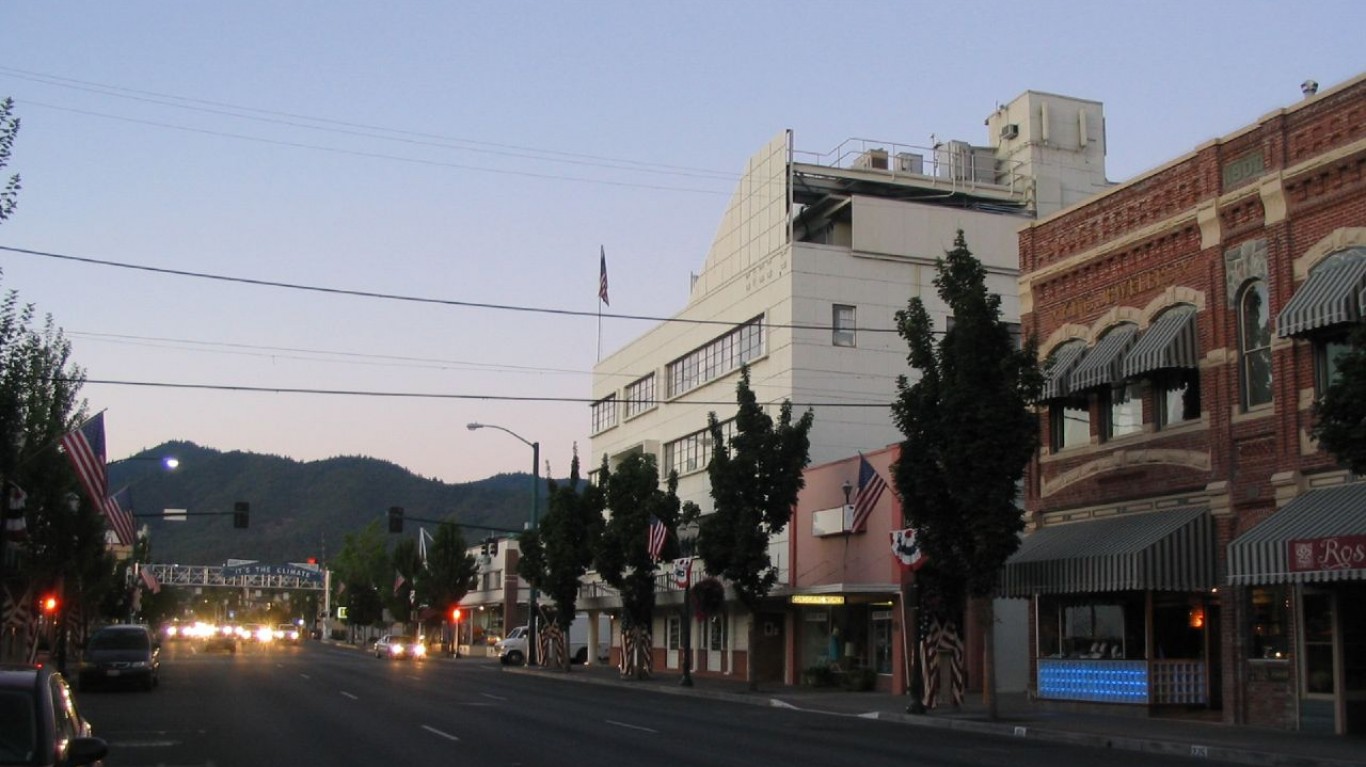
(419, 649)
(139, 664)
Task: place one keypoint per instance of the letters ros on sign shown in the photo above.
(1339, 552)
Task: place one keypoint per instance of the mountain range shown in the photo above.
(299, 510)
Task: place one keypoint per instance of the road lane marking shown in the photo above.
(305, 676)
(445, 735)
(632, 726)
(349, 695)
(144, 743)
(495, 697)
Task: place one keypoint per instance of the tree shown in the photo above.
(9, 128)
(970, 433)
(754, 485)
(451, 570)
(407, 565)
(556, 555)
(362, 565)
(1340, 414)
(622, 555)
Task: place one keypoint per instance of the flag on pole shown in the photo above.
(398, 582)
(84, 447)
(657, 534)
(871, 486)
(150, 580)
(119, 509)
(602, 276)
(16, 526)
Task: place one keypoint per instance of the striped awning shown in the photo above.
(1331, 296)
(1104, 364)
(1160, 550)
(1169, 343)
(1056, 377)
(1264, 554)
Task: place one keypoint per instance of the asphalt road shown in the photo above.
(316, 704)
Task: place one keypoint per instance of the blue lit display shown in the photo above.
(1100, 681)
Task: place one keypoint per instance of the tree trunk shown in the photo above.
(986, 618)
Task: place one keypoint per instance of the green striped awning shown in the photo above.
(1263, 554)
(1103, 365)
(1055, 377)
(1160, 550)
(1169, 343)
(1331, 295)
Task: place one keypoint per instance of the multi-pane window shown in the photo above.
(693, 452)
(640, 395)
(716, 633)
(605, 413)
(1254, 339)
(1327, 352)
(1125, 412)
(1176, 394)
(842, 322)
(717, 358)
(1070, 421)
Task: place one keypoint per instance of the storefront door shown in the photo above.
(1333, 691)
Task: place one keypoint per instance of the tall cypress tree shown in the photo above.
(754, 485)
(970, 432)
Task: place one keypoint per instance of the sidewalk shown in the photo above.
(1016, 717)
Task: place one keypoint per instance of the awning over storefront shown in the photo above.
(1319, 536)
(1160, 550)
(1169, 343)
(1331, 296)
(1056, 377)
(1104, 365)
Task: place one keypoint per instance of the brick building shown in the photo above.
(1181, 514)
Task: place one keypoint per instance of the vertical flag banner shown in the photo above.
(150, 580)
(16, 527)
(84, 447)
(657, 534)
(119, 509)
(398, 582)
(871, 486)
(602, 275)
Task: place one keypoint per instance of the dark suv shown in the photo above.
(124, 653)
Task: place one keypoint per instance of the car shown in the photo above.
(39, 722)
(287, 632)
(121, 653)
(222, 638)
(257, 632)
(399, 646)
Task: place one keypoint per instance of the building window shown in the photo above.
(640, 395)
(605, 413)
(675, 631)
(693, 451)
(1176, 396)
(1270, 623)
(1070, 421)
(1328, 351)
(1124, 411)
(1254, 338)
(721, 356)
(843, 323)
(716, 633)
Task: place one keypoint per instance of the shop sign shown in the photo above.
(1338, 552)
(817, 599)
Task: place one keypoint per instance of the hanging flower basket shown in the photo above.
(709, 597)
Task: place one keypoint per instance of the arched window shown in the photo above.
(1254, 342)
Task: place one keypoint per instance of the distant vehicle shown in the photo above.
(223, 639)
(399, 646)
(256, 632)
(121, 653)
(287, 632)
(39, 722)
(512, 650)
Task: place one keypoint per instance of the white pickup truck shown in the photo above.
(512, 648)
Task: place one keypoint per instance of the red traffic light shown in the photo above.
(48, 604)
(455, 614)
(313, 560)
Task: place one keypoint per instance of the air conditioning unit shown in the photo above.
(873, 159)
(1009, 131)
(910, 162)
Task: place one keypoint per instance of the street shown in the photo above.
(315, 704)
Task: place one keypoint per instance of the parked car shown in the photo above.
(39, 722)
(399, 646)
(121, 653)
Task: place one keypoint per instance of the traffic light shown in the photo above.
(455, 615)
(49, 604)
(395, 519)
(312, 560)
(241, 512)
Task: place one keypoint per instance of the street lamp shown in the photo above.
(535, 506)
(687, 541)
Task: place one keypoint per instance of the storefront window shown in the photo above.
(882, 641)
(675, 630)
(1270, 622)
(1108, 627)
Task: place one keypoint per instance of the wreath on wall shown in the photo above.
(709, 597)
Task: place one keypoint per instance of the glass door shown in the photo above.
(1319, 678)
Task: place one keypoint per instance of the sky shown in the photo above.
(334, 228)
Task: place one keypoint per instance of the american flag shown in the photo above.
(871, 486)
(150, 580)
(602, 275)
(657, 534)
(84, 447)
(119, 509)
(16, 527)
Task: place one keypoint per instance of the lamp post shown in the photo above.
(535, 508)
(687, 540)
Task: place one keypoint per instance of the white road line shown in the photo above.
(495, 697)
(435, 731)
(349, 695)
(305, 676)
(632, 726)
(144, 743)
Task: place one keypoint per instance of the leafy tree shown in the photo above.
(362, 565)
(9, 128)
(556, 555)
(1340, 414)
(969, 432)
(754, 485)
(622, 555)
(451, 571)
(408, 566)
